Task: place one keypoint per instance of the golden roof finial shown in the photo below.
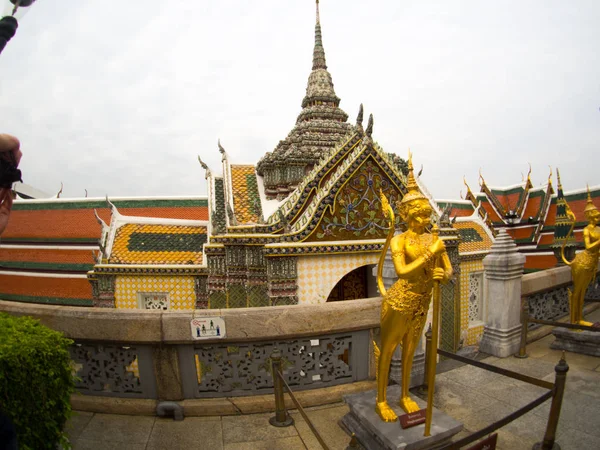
(481, 180)
(529, 173)
(558, 179)
(550, 176)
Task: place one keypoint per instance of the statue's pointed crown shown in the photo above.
(589, 207)
(413, 192)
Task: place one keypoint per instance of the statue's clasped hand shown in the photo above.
(438, 247)
(439, 274)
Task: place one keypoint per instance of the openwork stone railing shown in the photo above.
(245, 369)
(114, 370)
(547, 293)
(152, 355)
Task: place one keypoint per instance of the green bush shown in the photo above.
(36, 381)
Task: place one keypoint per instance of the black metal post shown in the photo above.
(353, 444)
(524, 326)
(8, 28)
(560, 380)
(281, 418)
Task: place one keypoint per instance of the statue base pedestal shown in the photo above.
(586, 342)
(374, 434)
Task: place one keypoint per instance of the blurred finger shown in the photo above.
(18, 154)
(9, 143)
(6, 201)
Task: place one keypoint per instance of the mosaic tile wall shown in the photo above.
(472, 335)
(180, 289)
(318, 274)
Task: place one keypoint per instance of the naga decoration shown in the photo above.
(420, 260)
(584, 265)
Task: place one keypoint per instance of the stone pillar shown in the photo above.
(418, 369)
(166, 368)
(503, 273)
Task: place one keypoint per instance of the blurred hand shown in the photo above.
(6, 202)
(10, 150)
(438, 247)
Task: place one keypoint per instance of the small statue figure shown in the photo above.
(419, 258)
(584, 265)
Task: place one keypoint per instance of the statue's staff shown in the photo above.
(432, 355)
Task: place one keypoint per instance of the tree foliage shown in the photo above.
(36, 381)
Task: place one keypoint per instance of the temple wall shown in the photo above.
(180, 289)
(318, 274)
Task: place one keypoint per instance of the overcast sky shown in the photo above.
(119, 97)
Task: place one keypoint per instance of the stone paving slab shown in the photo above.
(77, 423)
(253, 428)
(571, 439)
(456, 399)
(193, 432)
(326, 421)
(92, 444)
(118, 428)
(289, 443)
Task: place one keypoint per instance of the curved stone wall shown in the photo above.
(173, 327)
(128, 361)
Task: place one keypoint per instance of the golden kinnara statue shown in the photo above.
(583, 266)
(419, 258)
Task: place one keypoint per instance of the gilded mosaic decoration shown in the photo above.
(357, 205)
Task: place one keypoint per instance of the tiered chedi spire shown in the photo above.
(319, 126)
(562, 224)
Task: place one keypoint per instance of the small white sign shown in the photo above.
(208, 328)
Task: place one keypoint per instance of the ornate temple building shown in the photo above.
(303, 226)
(284, 232)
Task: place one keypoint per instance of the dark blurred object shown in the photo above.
(9, 174)
(8, 435)
(12, 10)
(8, 28)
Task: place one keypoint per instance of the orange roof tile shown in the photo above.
(487, 207)
(45, 287)
(540, 262)
(532, 209)
(46, 256)
(522, 232)
(77, 222)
